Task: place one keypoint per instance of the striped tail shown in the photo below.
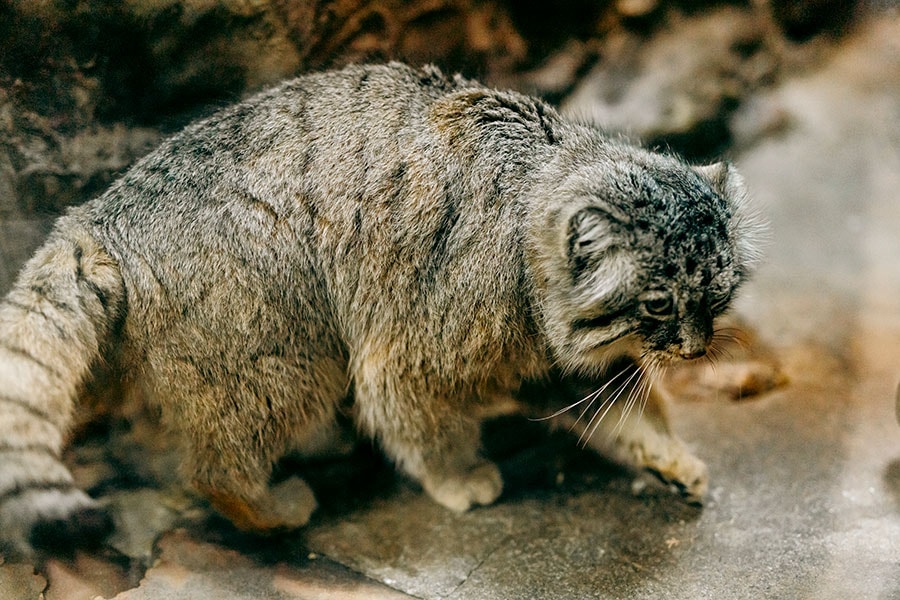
(54, 326)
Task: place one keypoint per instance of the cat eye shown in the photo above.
(660, 306)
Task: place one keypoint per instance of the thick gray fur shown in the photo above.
(418, 244)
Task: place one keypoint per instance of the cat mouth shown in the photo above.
(674, 355)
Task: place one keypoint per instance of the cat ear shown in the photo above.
(590, 234)
(590, 231)
(598, 265)
(717, 174)
(747, 225)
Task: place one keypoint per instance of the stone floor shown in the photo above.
(805, 494)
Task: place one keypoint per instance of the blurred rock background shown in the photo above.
(86, 87)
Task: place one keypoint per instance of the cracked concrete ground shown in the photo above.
(805, 494)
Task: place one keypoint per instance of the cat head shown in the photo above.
(638, 253)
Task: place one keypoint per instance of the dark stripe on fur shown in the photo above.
(545, 125)
(604, 320)
(363, 80)
(41, 291)
(35, 412)
(99, 292)
(18, 490)
(30, 357)
(95, 289)
(79, 254)
(35, 447)
(30, 309)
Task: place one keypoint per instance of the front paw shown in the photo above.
(481, 484)
(685, 472)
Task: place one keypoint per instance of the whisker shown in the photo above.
(720, 351)
(714, 353)
(594, 396)
(594, 423)
(588, 431)
(724, 336)
(657, 372)
(605, 407)
(653, 371)
(626, 409)
(732, 334)
(600, 413)
(634, 396)
(589, 398)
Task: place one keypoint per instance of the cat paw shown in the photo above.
(293, 502)
(686, 473)
(286, 505)
(480, 485)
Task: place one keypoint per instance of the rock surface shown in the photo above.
(189, 569)
(679, 88)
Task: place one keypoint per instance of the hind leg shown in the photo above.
(232, 467)
(235, 432)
